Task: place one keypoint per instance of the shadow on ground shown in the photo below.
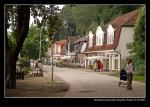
(38, 87)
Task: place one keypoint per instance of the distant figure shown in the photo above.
(129, 70)
(36, 64)
(95, 65)
(100, 66)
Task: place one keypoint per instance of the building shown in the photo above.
(58, 49)
(108, 43)
(62, 49)
(79, 47)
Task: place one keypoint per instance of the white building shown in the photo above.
(108, 43)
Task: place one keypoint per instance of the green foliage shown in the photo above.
(24, 64)
(87, 17)
(32, 43)
(137, 48)
(140, 78)
(11, 16)
(37, 11)
(11, 39)
(93, 27)
(24, 61)
(53, 24)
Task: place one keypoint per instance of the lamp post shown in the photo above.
(40, 47)
(65, 24)
(52, 50)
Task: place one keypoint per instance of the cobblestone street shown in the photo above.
(95, 84)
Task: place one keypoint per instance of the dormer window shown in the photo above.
(99, 36)
(59, 48)
(90, 39)
(110, 34)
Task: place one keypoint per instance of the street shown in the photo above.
(84, 83)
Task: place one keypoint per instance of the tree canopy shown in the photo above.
(31, 45)
(137, 47)
(17, 18)
(87, 17)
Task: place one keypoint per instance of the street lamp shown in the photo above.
(65, 24)
(52, 50)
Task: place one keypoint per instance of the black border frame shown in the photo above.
(25, 101)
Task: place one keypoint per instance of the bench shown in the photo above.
(20, 75)
(37, 71)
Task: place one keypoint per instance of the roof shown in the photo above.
(81, 39)
(72, 39)
(127, 19)
(61, 42)
(64, 41)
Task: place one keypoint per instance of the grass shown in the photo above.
(139, 78)
(136, 77)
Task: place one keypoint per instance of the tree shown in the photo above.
(31, 44)
(93, 27)
(53, 21)
(137, 47)
(85, 16)
(17, 18)
(21, 27)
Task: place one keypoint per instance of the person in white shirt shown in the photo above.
(129, 70)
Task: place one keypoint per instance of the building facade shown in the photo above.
(108, 43)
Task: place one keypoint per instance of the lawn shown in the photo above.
(139, 78)
(117, 74)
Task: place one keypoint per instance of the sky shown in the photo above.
(31, 18)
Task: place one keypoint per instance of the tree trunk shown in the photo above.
(10, 70)
(12, 54)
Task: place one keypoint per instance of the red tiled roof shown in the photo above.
(61, 42)
(127, 19)
(81, 39)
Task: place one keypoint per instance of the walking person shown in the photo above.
(129, 70)
(100, 66)
(95, 65)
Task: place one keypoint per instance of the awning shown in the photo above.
(58, 56)
(96, 57)
(66, 57)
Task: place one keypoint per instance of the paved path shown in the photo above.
(94, 84)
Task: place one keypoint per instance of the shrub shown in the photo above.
(24, 64)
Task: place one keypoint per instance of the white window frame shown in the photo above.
(90, 39)
(110, 34)
(59, 48)
(55, 48)
(99, 36)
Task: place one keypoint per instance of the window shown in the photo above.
(99, 36)
(59, 48)
(55, 48)
(83, 47)
(110, 34)
(90, 39)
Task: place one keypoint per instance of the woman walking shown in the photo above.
(129, 70)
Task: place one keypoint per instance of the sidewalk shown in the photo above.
(33, 86)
